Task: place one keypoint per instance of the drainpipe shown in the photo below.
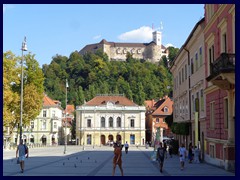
(189, 86)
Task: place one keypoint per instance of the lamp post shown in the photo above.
(24, 48)
(65, 144)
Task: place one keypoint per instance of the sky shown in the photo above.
(52, 29)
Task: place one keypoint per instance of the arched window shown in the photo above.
(102, 122)
(110, 122)
(166, 109)
(118, 122)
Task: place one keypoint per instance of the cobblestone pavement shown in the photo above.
(97, 161)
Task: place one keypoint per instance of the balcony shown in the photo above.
(222, 71)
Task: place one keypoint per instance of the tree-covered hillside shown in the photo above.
(94, 74)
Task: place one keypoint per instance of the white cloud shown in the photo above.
(97, 37)
(169, 44)
(142, 34)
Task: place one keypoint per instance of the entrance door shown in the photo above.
(103, 140)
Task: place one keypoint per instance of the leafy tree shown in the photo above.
(32, 89)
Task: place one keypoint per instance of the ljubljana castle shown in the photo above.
(116, 51)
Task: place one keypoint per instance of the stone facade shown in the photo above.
(152, 51)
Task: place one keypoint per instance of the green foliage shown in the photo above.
(94, 74)
(180, 128)
(33, 89)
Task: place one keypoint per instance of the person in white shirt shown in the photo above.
(196, 154)
(126, 147)
(182, 154)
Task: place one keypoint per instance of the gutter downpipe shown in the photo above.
(189, 86)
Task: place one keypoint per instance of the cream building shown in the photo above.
(188, 71)
(107, 118)
(152, 51)
(46, 129)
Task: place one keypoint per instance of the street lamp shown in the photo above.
(24, 48)
(65, 144)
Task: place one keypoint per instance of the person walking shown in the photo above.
(196, 154)
(182, 153)
(126, 147)
(160, 156)
(117, 159)
(190, 153)
(22, 153)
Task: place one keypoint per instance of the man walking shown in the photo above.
(160, 156)
(182, 153)
(126, 147)
(117, 159)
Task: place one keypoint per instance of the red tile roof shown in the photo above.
(47, 101)
(117, 100)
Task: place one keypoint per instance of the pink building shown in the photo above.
(219, 35)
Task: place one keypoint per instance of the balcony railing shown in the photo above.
(225, 63)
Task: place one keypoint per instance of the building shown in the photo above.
(219, 35)
(155, 118)
(107, 118)
(46, 128)
(188, 93)
(152, 51)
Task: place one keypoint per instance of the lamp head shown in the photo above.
(24, 45)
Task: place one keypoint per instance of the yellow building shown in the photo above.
(107, 118)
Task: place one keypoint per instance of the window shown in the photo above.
(32, 125)
(202, 100)
(200, 56)
(44, 124)
(157, 120)
(196, 59)
(183, 107)
(139, 51)
(197, 102)
(125, 51)
(118, 51)
(53, 113)
(192, 67)
(165, 109)
(89, 139)
(44, 113)
(89, 123)
(132, 139)
(212, 151)
(182, 74)
(55, 125)
(132, 123)
(110, 122)
(225, 113)
(185, 71)
(103, 122)
(211, 54)
(224, 43)
(180, 78)
(212, 114)
(118, 122)
(133, 51)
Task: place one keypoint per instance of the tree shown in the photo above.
(32, 90)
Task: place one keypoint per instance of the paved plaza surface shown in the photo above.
(97, 161)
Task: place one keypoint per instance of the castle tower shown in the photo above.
(157, 37)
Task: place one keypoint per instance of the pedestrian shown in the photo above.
(160, 156)
(196, 154)
(182, 153)
(117, 159)
(22, 153)
(190, 153)
(126, 147)
(165, 149)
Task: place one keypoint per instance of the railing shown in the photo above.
(225, 63)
